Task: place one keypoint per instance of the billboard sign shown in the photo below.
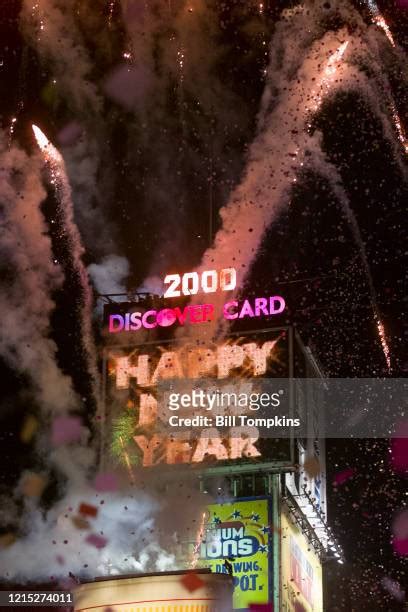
(238, 540)
(139, 406)
(302, 586)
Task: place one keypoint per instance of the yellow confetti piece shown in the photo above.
(80, 523)
(33, 485)
(7, 539)
(29, 428)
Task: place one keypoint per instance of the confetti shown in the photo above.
(191, 581)
(96, 540)
(399, 450)
(7, 539)
(267, 607)
(342, 477)
(66, 430)
(88, 510)
(105, 482)
(80, 522)
(29, 428)
(33, 485)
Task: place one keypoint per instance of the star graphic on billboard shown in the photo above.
(255, 517)
(236, 514)
(263, 548)
(265, 529)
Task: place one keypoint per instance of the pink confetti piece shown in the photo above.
(60, 559)
(66, 430)
(96, 540)
(401, 547)
(399, 449)
(342, 477)
(106, 481)
(268, 607)
(400, 533)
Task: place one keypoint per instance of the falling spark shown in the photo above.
(111, 9)
(199, 539)
(384, 344)
(379, 20)
(11, 130)
(180, 60)
(399, 128)
(59, 180)
(328, 76)
(127, 460)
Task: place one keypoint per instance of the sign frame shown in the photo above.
(224, 470)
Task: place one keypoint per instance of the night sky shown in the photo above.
(154, 159)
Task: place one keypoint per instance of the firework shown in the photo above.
(127, 460)
(59, 180)
(199, 539)
(379, 20)
(328, 77)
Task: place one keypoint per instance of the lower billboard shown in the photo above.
(237, 539)
(302, 586)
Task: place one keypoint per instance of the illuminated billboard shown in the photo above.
(135, 380)
(302, 586)
(238, 540)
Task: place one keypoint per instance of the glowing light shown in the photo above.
(384, 344)
(399, 128)
(127, 460)
(45, 145)
(59, 180)
(328, 76)
(380, 21)
(199, 539)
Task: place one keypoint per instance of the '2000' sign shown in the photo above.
(208, 281)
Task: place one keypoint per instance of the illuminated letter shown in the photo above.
(148, 447)
(135, 322)
(178, 450)
(144, 319)
(169, 366)
(124, 371)
(246, 310)
(259, 355)
(200, 361)
(112, 319)
(208, 312)
(213, 277)
(209, 443)
(228, 285)
(242, 442)
(261, 305)
(166, 317)
(147, 409)
(227, 313)
(280, 308)
(229, 357)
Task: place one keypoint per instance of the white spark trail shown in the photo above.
(59, 180)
